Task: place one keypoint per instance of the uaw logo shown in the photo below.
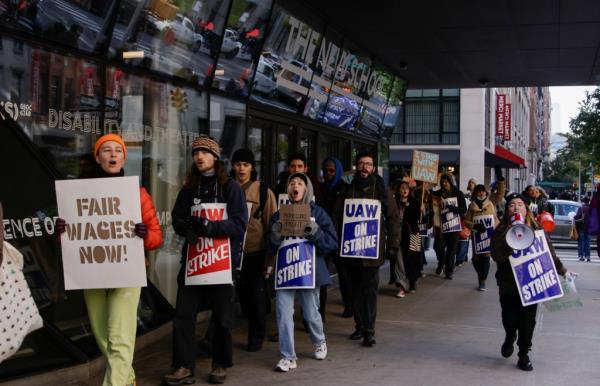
(14, 110)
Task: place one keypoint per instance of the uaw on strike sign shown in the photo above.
(450, 220)
(209, 260)
(361, 227)
(99, 247)
(483, 240)
(295, 265)
(535, 273)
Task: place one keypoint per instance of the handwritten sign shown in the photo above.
(294, 218)
(535, 273)
(295, 264)
(425, 166)
(100, 248)
(209, 260)
(483, 240)
(360, 229)
(450, 221)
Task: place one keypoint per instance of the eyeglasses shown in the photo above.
(365, 164)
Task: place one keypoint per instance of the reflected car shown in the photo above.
(231, 46)
(264, 81)
(287, 95)
(184, 31)
(564, 211)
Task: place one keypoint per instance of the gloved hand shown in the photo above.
(310, 231)
(60, 226)
(392, 254)
(276, 232)
(141, 230)
(203, 226)
(479, 228)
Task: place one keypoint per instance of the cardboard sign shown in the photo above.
(295, 264)
(535, 273)
(294, 218)
(450, 221)
(360, 229)
(243, 249)
(425, 166)
(99, 247)
(209, 260)
(483, 240)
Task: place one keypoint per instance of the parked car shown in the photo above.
(290, 95)
(231, 46)
(184, 31)
(264, 81)
(564, 211)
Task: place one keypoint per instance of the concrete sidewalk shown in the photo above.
(447, 333)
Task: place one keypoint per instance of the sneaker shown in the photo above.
(524, 363)
(481, 286)
(588, 259)
(401, 293)
(581, 259)
(321, 351)
(284, 365)
(181, 376)
(369, 340)
(217, 375)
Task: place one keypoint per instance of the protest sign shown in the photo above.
(295, 265)
(294, 218)
(483, 240)
(99, 247)
(209, 260)
(535, 273)
(360, 229)
(425, 166)
(450, 221)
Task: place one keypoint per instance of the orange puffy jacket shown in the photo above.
(155, 237)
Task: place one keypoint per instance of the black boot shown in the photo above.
(524, 363)
(369, 340)
(508, 345)
(356, 335)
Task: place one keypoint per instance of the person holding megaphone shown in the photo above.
(518, 320)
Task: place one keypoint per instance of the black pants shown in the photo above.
(515, 318)
(481, 263)
(190, 299)
(412, 265)
(364, 282)
(445, 245)
(344, 281)
(251, 293)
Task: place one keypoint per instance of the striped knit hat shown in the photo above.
(204, 142)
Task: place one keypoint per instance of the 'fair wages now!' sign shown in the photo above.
(425, 166)
(99, 247)
(361, 227)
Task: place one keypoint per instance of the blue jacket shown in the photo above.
(325, 242)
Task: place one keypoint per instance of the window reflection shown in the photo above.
(241, 46)
(227, 125)
(180, 40)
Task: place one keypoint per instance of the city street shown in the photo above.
(447, 333)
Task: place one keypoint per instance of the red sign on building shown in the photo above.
(507, 122)
(500, 107)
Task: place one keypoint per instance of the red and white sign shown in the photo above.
(507, 122)
(500, 107)
(209, 260)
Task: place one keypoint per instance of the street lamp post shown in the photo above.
(579, 183)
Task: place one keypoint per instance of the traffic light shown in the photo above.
(179, 99)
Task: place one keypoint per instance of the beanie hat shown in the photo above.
(110, 137)
(204, 142)
(243, 155)
(514, 196)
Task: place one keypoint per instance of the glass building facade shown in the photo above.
(252, 73)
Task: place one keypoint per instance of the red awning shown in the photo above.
(502, 152)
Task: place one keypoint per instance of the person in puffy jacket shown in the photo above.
(321, 233)
(518, 320)
(113, 311)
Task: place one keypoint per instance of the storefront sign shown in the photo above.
(507, 122)
(425, 166)
(209, 260)
(483, 240)
(295, 265)
(500, 106)
(535, 273)
(450, 221)
(361, 227)
(99, 247)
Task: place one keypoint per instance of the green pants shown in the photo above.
(113, 317)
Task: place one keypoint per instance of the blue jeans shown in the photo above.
(309, 301)
(583, 245)
(463, 251)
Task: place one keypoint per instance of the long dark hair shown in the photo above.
(192, 179)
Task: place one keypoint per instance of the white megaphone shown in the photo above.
(519, 235)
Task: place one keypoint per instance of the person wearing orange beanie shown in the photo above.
(113, 311)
